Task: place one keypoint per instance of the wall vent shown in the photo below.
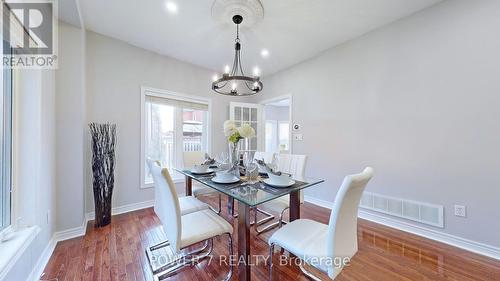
(416, 211)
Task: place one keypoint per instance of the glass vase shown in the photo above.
(234, 157)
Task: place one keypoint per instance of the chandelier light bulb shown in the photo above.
(215, 77)
(234, 86)
(226, 69)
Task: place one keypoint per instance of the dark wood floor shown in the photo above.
(116, 252)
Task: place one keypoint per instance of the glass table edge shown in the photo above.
(227, 192)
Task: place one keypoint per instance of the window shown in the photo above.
(284, 136)
(172, 124)
(277, 136)
(271, 135)
(5, 145)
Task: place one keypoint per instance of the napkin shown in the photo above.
(208, 160)
(267, 168)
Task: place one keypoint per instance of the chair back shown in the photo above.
(295, 165)
(192, 158)
(342, 228)
(167, 204)
(267, 156)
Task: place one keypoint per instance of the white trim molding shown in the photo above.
(44, 258)
(459, 242)
(125, 209)
(77, 232)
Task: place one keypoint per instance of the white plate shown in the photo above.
(232, 180)
(209, 171)
(269, 182)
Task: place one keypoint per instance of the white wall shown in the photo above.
(115, 73)
(70, 128)
(419, 101)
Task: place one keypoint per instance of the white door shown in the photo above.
(250, 113)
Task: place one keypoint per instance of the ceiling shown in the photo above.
(280, 103)
(292, 30)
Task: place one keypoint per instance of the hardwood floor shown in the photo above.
(116, 252)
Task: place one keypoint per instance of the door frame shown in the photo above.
(290, 115)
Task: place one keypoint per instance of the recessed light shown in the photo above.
(171, 7)
(264, 53)
(256, 71)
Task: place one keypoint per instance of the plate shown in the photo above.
(233, 180)
(209, 171)
(270, 183)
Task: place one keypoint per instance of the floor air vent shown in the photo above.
(416, 211)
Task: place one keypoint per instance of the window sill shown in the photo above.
(14, 248)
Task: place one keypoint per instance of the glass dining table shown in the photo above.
(249, 196)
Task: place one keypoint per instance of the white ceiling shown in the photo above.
(292, 30)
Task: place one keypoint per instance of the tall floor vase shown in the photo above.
(103, 167)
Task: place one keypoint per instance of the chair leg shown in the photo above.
(230, 273)
(271, 252)
(159, 245)
(279, 223)
(268, 217)
(307, 273)
(181, 261)
(220, 206)
(149, 254)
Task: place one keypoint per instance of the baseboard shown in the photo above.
(77, 232)
(42, 261)
(466, 244)
(318, 202)
(71, 233)
(125, 209)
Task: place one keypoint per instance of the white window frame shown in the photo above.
(161, 93)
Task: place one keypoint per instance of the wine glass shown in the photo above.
(274, 163)
(250, 167)
(222, 159)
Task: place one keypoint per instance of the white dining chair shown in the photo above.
(323, 246)
(294, 165)
(184, 231)
(262, 155)
(191, 158)
(188, 204)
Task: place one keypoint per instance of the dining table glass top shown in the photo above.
(251, 194)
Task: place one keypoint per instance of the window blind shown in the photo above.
(177, 103)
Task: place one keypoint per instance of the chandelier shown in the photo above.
(234, 82)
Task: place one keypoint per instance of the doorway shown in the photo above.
(277, 121)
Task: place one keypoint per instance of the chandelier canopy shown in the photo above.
(234, 82)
